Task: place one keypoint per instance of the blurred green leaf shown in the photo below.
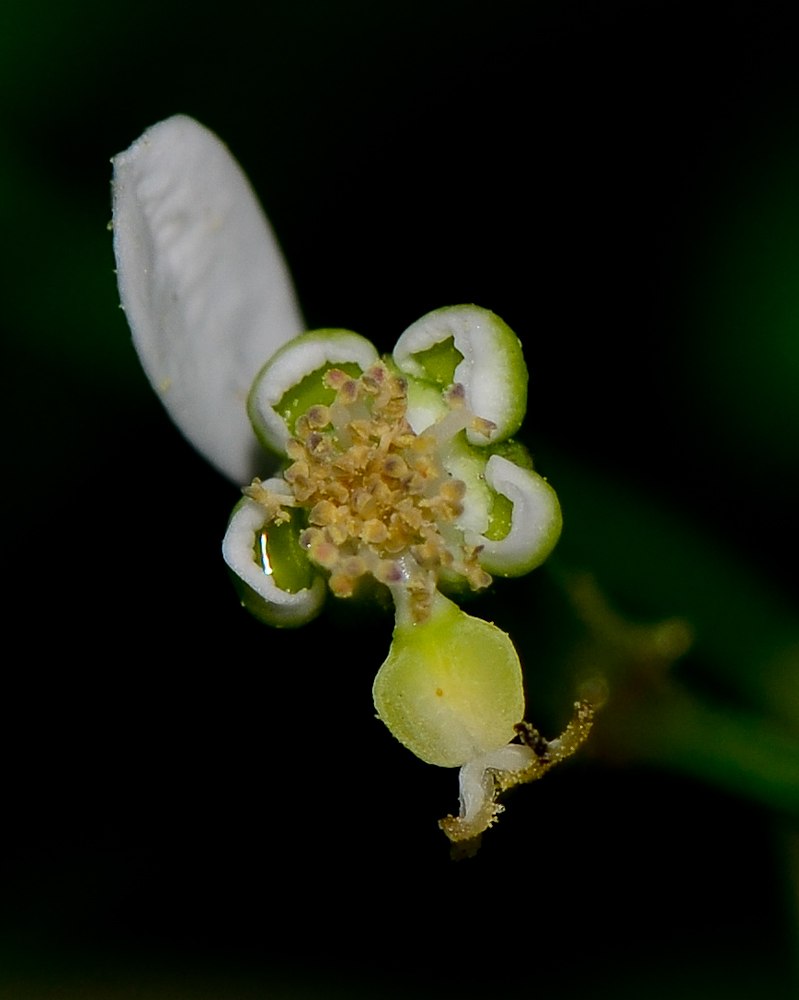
(657, 564)
(745, 313)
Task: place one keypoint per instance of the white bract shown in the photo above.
(203, 283)
(398, 475)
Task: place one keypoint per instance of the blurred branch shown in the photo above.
(648, 716)
(746, 633)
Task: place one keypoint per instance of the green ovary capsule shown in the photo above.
(451, 687)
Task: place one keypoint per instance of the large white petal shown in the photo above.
(204, 285)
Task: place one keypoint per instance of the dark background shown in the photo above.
(194, 802)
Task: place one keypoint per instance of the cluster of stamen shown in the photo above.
(378, 498)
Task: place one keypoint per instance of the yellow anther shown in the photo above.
(453, 490)
(353, 566)
(301, 427)
(455, 396)
(373, 489)
(323, 513)
(338, 491)
(363, 429)
(272, 502)
(335, 378)
(394, 466)
(321, 550)
(388, 572)
(374, 532)
(318, 416)
(482, 426)
(373, 379)
(341, 584)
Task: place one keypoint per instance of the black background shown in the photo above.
(191, 798)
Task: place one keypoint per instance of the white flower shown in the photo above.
(397, 473)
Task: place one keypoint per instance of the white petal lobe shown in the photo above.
(535, 525)
(204, 285)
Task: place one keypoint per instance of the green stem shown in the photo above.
(650, 559)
